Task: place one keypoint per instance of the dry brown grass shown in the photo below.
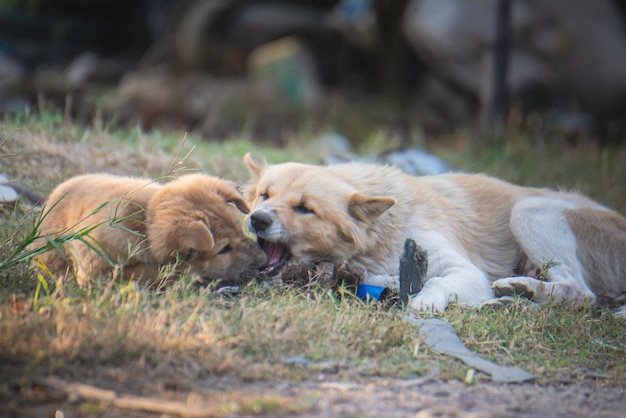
(182, 341)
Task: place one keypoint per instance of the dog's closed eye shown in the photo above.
(304, 210)
(226, 249)
(190, 255)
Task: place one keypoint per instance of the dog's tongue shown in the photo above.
(274, 253)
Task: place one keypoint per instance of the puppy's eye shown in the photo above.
(264, 196)
(189, 255)
(225, 250)
(303, 210)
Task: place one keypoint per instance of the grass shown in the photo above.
(546, 160)
(146, 340)
(557, 343)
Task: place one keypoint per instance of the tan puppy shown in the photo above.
(484, 237)
(142, 225)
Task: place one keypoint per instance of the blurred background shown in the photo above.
(416, 67)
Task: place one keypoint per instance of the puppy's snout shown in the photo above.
(263, 265)
(257, 256)
(260, 221)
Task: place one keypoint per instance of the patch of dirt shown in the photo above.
(326, 393)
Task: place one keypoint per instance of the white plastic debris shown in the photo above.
(441, 337)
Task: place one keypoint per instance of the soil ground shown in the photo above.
(328, 396)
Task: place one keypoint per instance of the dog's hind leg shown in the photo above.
(547, 239)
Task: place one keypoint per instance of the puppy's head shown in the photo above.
(195, 219)
(308, 213)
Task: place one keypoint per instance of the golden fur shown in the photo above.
(142, 225)
(478, 231)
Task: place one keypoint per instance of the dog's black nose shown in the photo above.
(260, 221)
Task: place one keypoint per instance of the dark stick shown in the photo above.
(413, 266)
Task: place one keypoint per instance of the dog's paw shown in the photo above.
(429, 301)
(511, 286)
(498, 303)
(506, 302)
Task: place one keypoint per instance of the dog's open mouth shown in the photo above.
(277, 256)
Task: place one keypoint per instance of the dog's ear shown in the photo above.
(187, 240)
(367, 208)
(239, 203)
(196, 238)
(232, 194)
(255, 166)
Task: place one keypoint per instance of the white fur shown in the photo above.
(478, 231)
(451, 277)
(542, 231)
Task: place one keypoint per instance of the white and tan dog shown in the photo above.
(141, 225)
(484, 237)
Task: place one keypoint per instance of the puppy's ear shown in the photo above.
(196, 238)
(368, 209)
(185, 240)
(255, 166)
(232, 194)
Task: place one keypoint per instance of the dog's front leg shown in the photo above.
(467, 286)
(450, 277)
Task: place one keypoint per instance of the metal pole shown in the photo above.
(500, 105)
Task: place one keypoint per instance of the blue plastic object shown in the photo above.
(369, 292)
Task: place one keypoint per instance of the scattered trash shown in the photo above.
(413, 266)
(454, 38)
(441, 337)
(11, 191)
(288, 66)
(336, 149)
(229, 290)
(414, 161)
(8, 196)
(321, 366)
(300, 360)
(368, 292)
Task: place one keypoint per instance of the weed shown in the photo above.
(179, 333)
